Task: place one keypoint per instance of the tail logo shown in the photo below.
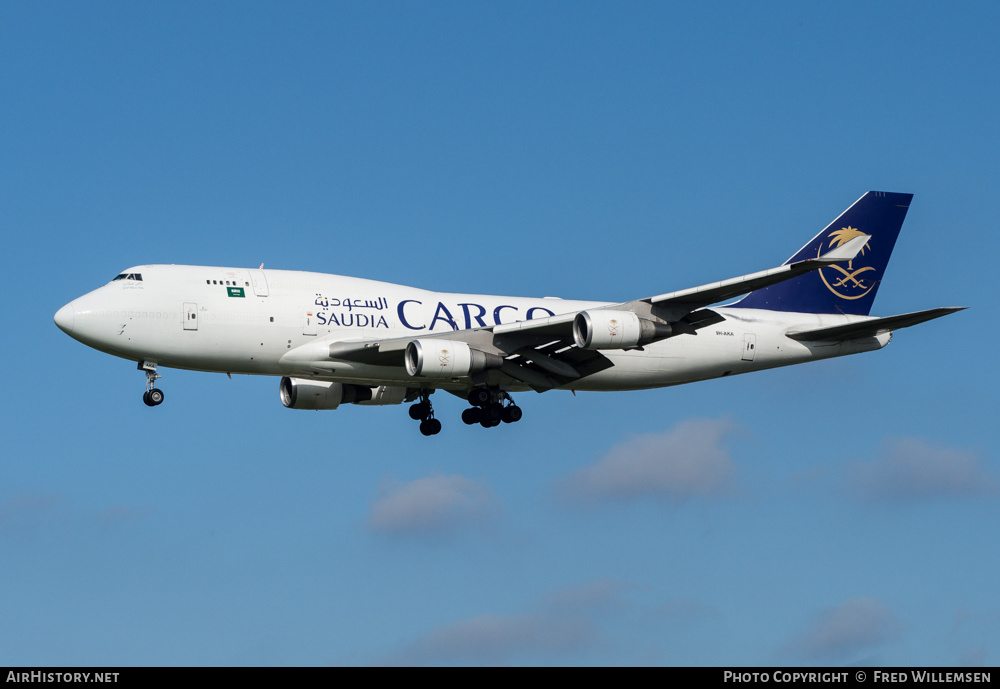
(849, 283)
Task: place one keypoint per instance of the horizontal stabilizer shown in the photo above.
(872, 327)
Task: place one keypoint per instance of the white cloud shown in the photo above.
(121, 514)
(686, 461)
(563, 622)
(912, 469)
(435, 505)
(684, 610)
(602, 594)
(25, 504)
(973, 656)
(27, 512)
(496, 639)
(854, 626)
(34, 511)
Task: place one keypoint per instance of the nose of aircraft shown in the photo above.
(65, 317)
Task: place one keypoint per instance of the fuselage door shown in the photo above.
(749, 346)
(190, 316)
(309, 324)
(259, 282)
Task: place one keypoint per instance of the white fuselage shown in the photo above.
(234, 320)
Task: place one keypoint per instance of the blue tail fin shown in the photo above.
(841, 288)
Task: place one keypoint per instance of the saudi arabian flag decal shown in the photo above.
(236, 291)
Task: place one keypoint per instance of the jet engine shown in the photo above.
(434, 358)
(601, 329)
(302, 393)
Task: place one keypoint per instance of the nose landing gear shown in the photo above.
(153, 396)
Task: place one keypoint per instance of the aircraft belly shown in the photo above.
(713, 353)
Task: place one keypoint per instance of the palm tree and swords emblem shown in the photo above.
(848, 280)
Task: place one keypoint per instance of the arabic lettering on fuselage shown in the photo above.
(350, 304)
(350, 319)
(461, 316)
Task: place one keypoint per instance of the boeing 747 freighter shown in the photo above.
(336, 340)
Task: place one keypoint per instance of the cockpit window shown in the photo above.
(129, 276)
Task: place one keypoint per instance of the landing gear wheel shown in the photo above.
(492, 413)
(423, 411)
(145, 399)
(420, 410)
(430, 427)
(472, 415)
(512, 414)
(486, 423)
(155, 397)
(479, 397)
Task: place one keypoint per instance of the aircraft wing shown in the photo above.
(871, 327)
(684, 306)
(543, 360)
(542, 352)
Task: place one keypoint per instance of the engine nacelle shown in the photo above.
(601, 329)
(302, 393)
(433, 358)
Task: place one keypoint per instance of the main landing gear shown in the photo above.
(152, 396)
(424, 412)
(490, 407)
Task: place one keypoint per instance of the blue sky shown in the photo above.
(841, 512)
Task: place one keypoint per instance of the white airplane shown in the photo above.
(337, 340)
